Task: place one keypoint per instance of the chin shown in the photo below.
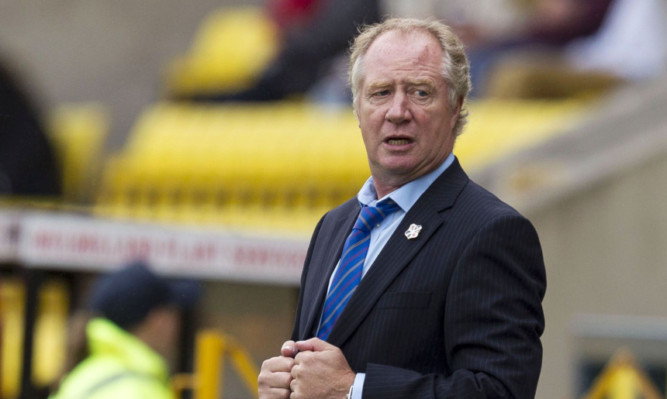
(400, 168)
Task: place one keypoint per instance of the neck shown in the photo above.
(384, 189)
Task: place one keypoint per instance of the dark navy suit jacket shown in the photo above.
(453, 313)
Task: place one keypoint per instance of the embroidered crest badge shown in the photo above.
(413, 231)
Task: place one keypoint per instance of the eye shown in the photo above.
(421, 93)
(381, 93)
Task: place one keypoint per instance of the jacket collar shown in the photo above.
(399, 251)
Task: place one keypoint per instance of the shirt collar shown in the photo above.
(406, 195)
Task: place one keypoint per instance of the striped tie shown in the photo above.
(348, 274)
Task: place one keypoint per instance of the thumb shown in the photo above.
(288, 349)
(313, 344)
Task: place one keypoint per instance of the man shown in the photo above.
(134, 330)
(449, 305)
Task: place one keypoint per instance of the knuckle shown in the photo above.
(301, 357)
(285, 379)
(268, 362)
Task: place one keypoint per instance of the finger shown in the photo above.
(298, 359)
(294, 388)
(303, 358)
(288, 349)
(274, 393)
(297, 371)
(274, 380)
(277, 364)
(313, 344)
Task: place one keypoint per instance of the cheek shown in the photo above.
(370, 114)
(369, 129)
(368, 143)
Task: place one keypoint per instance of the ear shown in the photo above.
(455, 114)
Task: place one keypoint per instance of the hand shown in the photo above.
(274, 377)
(320, 371)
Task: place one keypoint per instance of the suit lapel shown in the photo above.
(324, 265)
(399, 251)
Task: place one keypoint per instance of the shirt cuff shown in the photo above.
(358, 385)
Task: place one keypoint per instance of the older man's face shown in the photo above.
(403, 109)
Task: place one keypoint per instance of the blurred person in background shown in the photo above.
(131, 333)
(523, 48)
(567, 48)
(543, 26)
(289, 14)
(631, 44)
(315, 35)
(519, 49)
(27, 161)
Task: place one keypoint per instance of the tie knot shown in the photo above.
(371, 216)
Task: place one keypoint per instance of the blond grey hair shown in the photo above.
(455, 67)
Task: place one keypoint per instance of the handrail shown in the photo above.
(212, 348)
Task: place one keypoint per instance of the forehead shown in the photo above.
(396, 53)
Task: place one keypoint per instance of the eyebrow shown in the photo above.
(414, 82)
(422, 82)
(378, 85)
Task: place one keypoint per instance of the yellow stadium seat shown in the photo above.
(79, 132)
(230, 49)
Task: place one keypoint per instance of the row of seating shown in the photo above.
(253, 166)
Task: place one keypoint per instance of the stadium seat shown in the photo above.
(231, 47)
(79, 132)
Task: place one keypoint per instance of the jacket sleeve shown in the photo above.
(493, 322)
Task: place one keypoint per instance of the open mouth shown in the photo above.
(398, 141)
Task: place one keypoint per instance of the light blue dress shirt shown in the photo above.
(405, 196)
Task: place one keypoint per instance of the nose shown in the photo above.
(398, 111)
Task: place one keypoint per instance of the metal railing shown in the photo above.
(212, 349)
